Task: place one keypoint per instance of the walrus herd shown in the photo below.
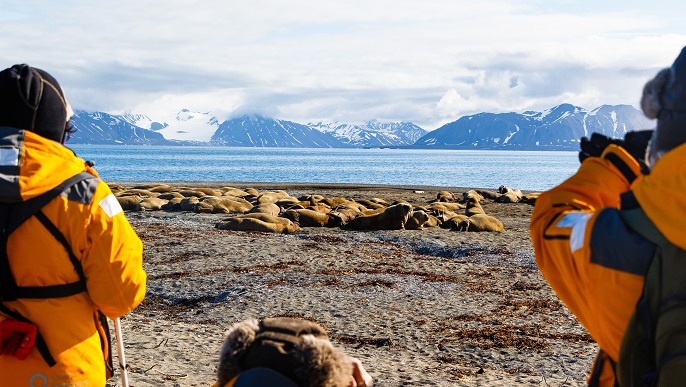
(279, 212)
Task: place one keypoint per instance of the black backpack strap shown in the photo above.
(52, 291)
(594, 380)
(15, 215)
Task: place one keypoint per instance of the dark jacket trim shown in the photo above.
(616, 246)
(83, 191)
(628, 201)
(621, 166)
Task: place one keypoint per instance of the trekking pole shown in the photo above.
(120, 353)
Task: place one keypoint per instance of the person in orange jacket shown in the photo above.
(593, 261)
(68, 256)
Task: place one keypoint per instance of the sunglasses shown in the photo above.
(69, 129)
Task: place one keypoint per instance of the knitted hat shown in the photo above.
(31, 99)
(664, 98)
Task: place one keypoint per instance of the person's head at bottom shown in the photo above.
(284, 352)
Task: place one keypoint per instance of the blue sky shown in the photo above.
(428, 62)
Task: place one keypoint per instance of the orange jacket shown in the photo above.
(101, 238)
(591, 259)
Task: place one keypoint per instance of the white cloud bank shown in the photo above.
(428, 62)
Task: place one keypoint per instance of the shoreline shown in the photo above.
(306, 186)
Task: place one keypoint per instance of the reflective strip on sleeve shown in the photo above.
(9, 157)
(577, 222)
(111, 205)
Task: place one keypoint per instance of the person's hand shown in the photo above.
(595, 146)
(636, 143)
(360, 377)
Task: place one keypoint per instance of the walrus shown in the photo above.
(191, 192)
(264, 217)
(311, 218)
(508, 195)
(310, 198)
(150, 204)
(266, 208)
(380, 201)
(115, 188)
(445, 196)
(393, 218)
(188, 203)
(222, 205)
(472, 194)
(473, 207)
(372, 212)
(344, 214)
(172, 204)
(170, 195)
(530, 198)
(370, 204)
(417, 220)
(231, 191)
(143, 193)
(446, 206)
(486, 194)
(337, 201)
(432, 222)
(287, 202)
(480, 222)
(128, 202)
(252, 224)
(442, 215)
(161, 188)
(271, 196)
(451, 223)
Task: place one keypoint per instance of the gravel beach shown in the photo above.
(432, 307)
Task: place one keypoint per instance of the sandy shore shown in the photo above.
(418, 307)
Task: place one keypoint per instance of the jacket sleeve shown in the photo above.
(582, 246)
(113, 261)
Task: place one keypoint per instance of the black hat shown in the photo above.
(32, 99)
(664, 98)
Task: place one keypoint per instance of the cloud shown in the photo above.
(425, 62)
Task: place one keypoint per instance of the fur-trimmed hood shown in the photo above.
(298, 349)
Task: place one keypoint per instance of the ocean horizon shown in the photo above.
(487, 169)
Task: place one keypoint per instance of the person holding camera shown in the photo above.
(285, 352)
(597, 234)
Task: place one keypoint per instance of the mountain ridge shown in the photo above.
(557, 128)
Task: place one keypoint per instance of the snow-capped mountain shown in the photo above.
(103, 128)
(559, 128)
(255, 130)
(186, 126)
(372, 133)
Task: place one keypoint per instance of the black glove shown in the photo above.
(636, 144)
(596, 145)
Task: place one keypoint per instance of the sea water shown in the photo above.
(489, 169)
